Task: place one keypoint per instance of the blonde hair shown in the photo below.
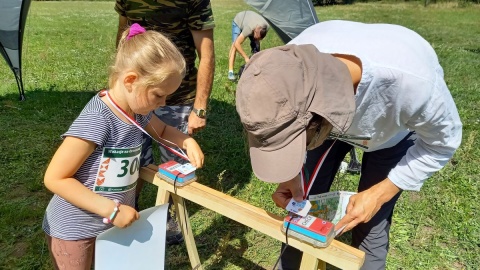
(152, 55)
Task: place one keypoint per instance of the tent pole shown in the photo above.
(21, 29)
(18, 77)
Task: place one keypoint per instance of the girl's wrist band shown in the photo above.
(114, 213)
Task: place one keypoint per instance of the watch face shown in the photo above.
(200, 113)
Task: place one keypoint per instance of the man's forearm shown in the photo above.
(385, 190)
(206, 69)
(205, 49)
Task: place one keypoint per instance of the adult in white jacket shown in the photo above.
(338, 85)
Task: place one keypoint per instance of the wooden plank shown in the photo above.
(337, 253)
(162, 196)
(184, 222)
(322, 265)
(310, 262)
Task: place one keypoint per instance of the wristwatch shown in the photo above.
(202, 113)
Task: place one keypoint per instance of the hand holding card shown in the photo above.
(299, 208)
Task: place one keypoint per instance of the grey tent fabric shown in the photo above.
(287, 17)
(13, 14)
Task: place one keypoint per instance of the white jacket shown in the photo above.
(402, 90)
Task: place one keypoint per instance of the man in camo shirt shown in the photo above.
(189, 24)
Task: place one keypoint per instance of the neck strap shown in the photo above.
(307, 179)
(133, 121)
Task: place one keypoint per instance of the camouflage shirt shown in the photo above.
(175, 19)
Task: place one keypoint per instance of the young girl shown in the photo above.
(94, 172)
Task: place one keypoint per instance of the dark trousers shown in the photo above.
(371, 237)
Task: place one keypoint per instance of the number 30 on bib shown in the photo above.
(118, 169)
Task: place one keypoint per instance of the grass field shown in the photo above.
(67, 48)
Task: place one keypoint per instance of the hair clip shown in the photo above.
(135, 29)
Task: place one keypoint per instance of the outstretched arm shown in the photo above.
(238, 46)
(233, 51)
(364, 205)
(438, 134)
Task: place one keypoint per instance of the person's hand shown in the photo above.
(194, 152)
(126, 215)
(247, 59)
(195, 123)
(363, 206)
(288, 190)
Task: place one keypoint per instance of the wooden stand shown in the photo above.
(337, 253)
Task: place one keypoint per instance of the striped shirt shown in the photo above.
(98, 124)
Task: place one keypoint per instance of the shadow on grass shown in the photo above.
(30, 134)
(220, 245)
(227, 164)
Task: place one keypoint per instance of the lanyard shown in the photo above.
(133, 121)
(307, 179)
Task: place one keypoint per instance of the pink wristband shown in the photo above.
(114, 213)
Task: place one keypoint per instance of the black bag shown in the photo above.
(240, 71)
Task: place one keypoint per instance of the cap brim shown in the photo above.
(280, 165)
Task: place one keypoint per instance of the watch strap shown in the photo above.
(202, 113)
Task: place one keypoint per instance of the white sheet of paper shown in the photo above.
(140, 246)
(337, 232)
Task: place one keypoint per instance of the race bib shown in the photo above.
(118, 170)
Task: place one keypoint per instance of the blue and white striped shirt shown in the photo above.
(98, 124)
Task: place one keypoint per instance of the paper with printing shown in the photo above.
(330, 206)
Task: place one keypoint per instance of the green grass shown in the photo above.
(67, 49)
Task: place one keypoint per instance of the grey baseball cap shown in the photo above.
(279, 92)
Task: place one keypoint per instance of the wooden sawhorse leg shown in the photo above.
(184, 222)
(310, 262)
